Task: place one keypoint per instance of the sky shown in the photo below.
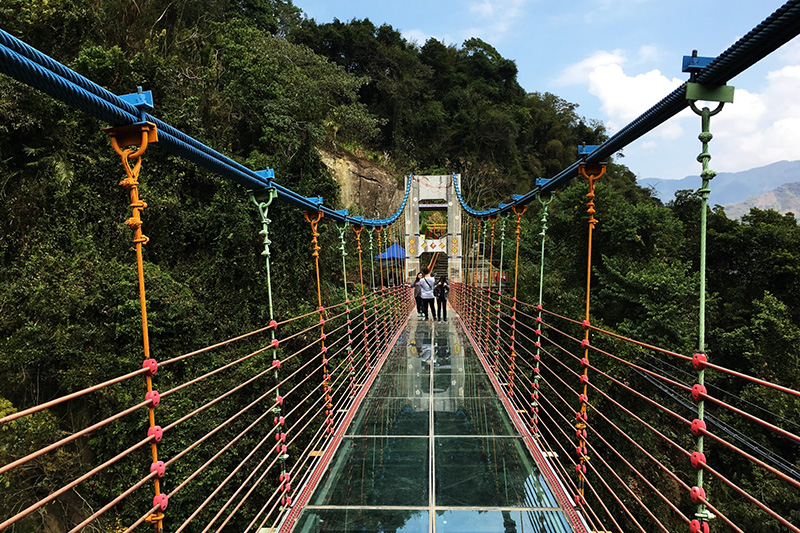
(617, 58)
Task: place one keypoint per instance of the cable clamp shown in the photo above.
(699, 360)
(698, 426)
(697, 494)
(159, 468)
(156, 432)
(698, 459)
(154, 397)
(161, 501)
(698, 391)
(151, 365)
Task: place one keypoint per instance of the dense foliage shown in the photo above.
(257, 81)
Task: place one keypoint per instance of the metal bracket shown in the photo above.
(694, 64)
(709, 93)
(586, 149)
(141, 100)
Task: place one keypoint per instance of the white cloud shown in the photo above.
(495, 18)
(649, 54)
(579, 72)
(623, 97)
(483, 9)
(417, 36)
(759, 128)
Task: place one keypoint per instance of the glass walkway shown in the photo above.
(432, 449)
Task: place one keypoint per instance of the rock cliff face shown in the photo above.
(366, 188)
(784, 199)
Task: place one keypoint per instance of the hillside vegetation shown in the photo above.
(257, 81)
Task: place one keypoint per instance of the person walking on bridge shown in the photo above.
(440, 291)
(427, 283)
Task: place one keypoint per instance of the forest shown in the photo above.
(269, 87)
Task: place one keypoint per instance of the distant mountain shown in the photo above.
(731, 187)
(784, 199)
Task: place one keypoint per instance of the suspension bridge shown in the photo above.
(361, 416)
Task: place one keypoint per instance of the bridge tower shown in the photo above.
(433, 194)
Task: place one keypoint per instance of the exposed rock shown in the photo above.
(365, 186)
(784, 199)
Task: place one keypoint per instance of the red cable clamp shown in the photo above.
(698, 458)
(585, 343)
(347, 310)
(154, 396)
(584, 379)
(539, 307)
(697, 427)
(323, 336)
(273, 324)
(537, 357)
(279, 420)
(538, 332)
(585, 324)
(321, 309)
(581, 469)
(159, 468)
(276, 363)
(513, 307)
(161, 501)
(583, 398)
(151, 365)
(347, 302)
(578, 499)
(350, 341)
(536, 370)
(275, 343)
(584, 362)
(699, 361)
(156, 432)
(697, 391)
(538, 345)
(324, 349)
(321, 321)
(349, 321)
(512, 337)
(279, 400)
(349, 331)
(324, 361)
(538, 320)
(695, 526)
(697, 493)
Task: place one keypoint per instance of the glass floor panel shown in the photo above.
(391, 416)
(465, 468)
(363, 520)
(487, 472)
(494, 521)
(377, 471)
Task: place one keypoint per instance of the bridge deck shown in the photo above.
(432, 449)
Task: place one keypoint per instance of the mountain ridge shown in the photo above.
(732, 188)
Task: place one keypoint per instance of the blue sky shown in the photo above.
(615, 59)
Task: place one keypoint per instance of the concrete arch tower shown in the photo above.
(433, 193)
